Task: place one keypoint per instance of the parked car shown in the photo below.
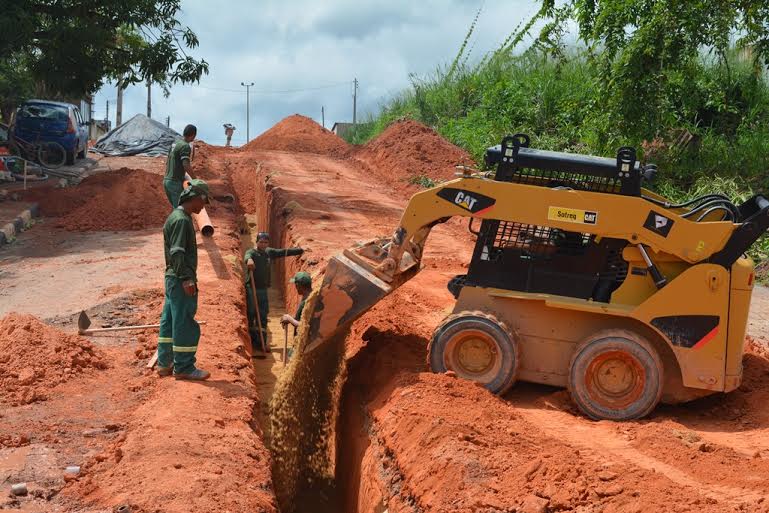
(39, 121)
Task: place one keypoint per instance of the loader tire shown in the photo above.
(478, 347)
(616, 375)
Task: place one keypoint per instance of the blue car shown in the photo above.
(39, 121)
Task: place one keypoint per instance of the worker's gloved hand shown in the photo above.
(250, 264)
(190, 287)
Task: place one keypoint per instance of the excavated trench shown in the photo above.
(317, 452)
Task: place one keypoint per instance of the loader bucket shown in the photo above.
(349, 290)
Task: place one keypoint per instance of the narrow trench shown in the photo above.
(328, 469)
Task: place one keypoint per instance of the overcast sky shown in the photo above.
(314, 49)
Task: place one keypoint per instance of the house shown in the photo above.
(341, 129)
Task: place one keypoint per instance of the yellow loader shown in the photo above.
(580, 278)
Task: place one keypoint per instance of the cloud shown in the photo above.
(314, 49)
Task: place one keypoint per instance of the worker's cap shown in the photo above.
(262, 236)
(302, 278)
(195, 187)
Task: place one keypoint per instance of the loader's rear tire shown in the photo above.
(478, 347)
(616, 375)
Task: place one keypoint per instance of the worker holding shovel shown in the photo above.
(179, 332)
(258, 262)
(303, 283)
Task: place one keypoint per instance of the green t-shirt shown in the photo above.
(181, 248)
(262, 263)
(299, 309)
(180, 151)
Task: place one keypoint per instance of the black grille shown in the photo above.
(567, 180)
(533, 240)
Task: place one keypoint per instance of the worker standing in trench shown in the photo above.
(258, 261)
(177, 164)
(179, 332)
(303, 283)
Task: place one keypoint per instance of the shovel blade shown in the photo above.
(349, 290)
(83, 322)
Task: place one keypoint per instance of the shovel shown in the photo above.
(83, 322)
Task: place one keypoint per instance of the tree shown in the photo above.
(73, 46)
(646, 48)
(16, 84)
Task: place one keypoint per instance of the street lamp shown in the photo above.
(248, 117)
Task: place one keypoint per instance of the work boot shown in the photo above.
(165, 371)
(196, 375)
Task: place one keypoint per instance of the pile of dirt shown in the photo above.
(34, 358)
(126, 199)
(409, 155)
(300, 134)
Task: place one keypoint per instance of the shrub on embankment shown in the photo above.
(708, 132)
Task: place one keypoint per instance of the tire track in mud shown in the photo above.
(602, 444)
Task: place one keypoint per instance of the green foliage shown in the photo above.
(423, 181)
(72, 46)
(16, 83)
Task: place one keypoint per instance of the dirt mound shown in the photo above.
(35, 357)
(410, 155)
(300, 134)
(126, 199)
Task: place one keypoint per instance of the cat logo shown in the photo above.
(472, 202)
(465, 201)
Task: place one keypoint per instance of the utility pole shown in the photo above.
(354, 103)
(323, 116)
(106, 116)
(248, 114)
(119, 112)
(168, 121)
(149, 98)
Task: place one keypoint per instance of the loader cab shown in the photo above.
(542, 259)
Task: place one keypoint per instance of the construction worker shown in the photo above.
(177, 164)
(303, 283)
(258, 261)
(179, 332)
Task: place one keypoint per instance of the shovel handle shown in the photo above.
(123, 328)
(285, 344)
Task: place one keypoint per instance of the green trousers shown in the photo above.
(173, 191)
(179, 332)
(264, 310)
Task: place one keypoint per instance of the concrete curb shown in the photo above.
(21, 223)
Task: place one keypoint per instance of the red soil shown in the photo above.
(126, 199)
(35, 358)
(300, 134)
(408, 150)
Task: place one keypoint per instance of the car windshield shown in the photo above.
(43, 111)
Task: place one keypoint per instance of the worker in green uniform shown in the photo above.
(179, 332)
(258, 261)
(303, 283)
(178, 164)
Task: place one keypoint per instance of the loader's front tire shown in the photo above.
(616, 375)
(478, 347)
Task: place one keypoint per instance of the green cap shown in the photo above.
(302, 278)
(195, 187)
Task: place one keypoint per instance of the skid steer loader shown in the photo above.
(580, 278)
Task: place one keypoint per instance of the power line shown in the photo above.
(277, 91)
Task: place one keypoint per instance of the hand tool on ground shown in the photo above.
(258, 315)
(285, 344)
(581, 277)
(83, 322)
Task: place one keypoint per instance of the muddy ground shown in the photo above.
(406, 440)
